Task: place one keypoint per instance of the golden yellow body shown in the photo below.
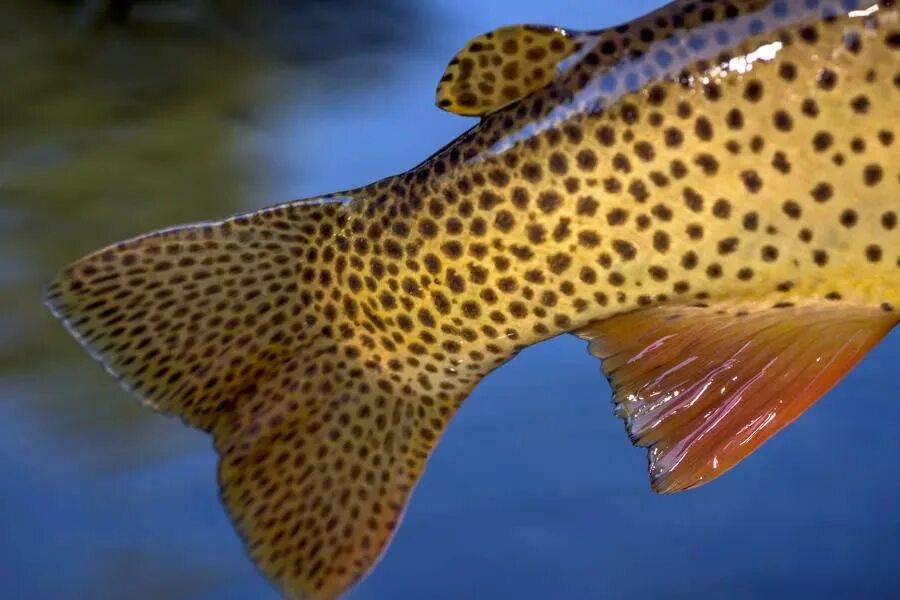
(710, 194)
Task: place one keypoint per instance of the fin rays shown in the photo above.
(702, 390)
(322, 431)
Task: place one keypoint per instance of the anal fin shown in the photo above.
(703, 389)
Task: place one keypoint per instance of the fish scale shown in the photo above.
(709, 194)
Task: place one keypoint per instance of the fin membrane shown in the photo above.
(318, 462)
(322, 424)
(703, 389)
(184, 317)
(503, 66)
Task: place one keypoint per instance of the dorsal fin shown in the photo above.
(702, 389)
(504, 65)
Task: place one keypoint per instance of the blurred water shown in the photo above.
(110, 130)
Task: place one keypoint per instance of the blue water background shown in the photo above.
(534, 491)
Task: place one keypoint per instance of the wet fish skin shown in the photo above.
(709, 194)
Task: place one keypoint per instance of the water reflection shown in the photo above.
(110, 127)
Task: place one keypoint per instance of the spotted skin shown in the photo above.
(502, 66)
(737, 157)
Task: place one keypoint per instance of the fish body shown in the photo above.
(709, 194)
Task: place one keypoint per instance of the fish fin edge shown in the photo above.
(702, 389)
(320, 438)
(503, 66)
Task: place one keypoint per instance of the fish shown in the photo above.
(708, 195)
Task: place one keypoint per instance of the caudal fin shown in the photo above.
(247, 328)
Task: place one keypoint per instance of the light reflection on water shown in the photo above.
(534, 491)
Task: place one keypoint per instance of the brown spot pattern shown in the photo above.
(326, 343)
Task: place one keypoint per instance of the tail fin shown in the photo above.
(247, 329)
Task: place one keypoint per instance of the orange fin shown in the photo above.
(703, 389)
(504, 65)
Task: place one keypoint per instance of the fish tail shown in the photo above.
(264, 330)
